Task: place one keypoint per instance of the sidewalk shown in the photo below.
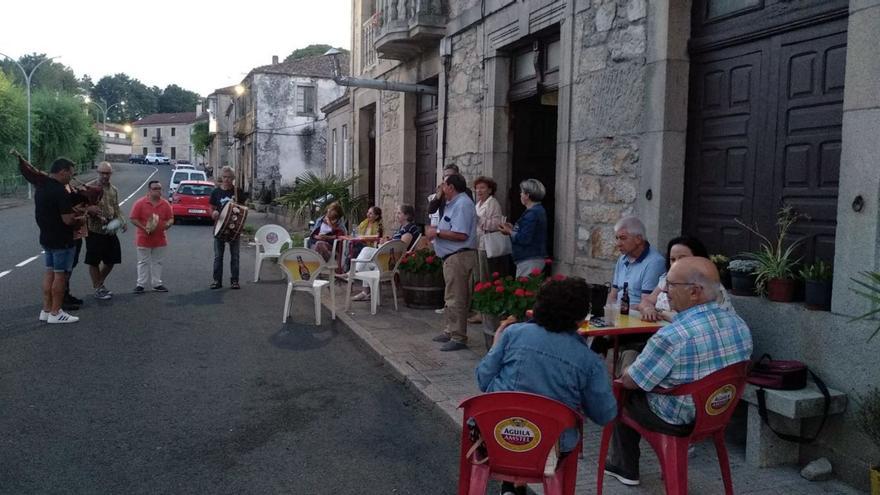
(403, 340)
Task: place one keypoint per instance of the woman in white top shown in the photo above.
(655, 306)
(488, 219)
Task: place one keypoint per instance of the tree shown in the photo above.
(60, 128)
(51, 76)
(176, 99)
(201, 138)
(310, 51)
(139, 99)
(13, 123)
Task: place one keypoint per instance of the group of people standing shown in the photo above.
(64, 221)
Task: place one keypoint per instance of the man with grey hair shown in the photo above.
(702, 339)
(639, 266)
(219, 198)
(103, 251)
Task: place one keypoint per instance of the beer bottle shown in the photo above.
(624, 300)
(303, 269)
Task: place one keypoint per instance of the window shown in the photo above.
(145, 151)
(159, 150)
(173, 149)
(173, 132)
(334, 154)
(305, 100)
(145, 132)
(158, 132)
(345, 149)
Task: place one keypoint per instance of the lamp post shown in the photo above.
(27, 80)
(104, 109)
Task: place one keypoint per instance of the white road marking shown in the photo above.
(25, 262)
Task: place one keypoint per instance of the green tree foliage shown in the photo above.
(139, 100)
(51, 76)
(13, 123)
(313, 193)
(60, 128)
(176, 99)
(201, 138)
(310, 51)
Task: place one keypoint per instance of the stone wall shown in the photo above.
(465, 100)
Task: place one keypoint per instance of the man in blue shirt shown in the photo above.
(455, 241)
(702, 339)
(640, 265)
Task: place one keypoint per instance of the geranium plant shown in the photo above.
(509, 295)
(421, 261)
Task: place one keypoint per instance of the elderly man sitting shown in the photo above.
(639, 265)
(702, 339)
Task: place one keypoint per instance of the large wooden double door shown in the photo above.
(764, 129)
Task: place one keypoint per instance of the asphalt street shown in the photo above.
(197, 391)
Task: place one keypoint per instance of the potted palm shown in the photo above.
(421, 279)
(817, 285)
(869, 421)
(742, 277)
(775, 273)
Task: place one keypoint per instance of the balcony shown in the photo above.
(405, 32)
(157, 140)
(368, 40)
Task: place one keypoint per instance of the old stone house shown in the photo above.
(221, 118)
(168, 133)
(117, 143)
(279, 128)
(689, 114)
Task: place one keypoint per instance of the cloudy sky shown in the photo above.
(197, 44)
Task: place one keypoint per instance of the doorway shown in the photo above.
(367, 152)
(426, 154)
(533, 127)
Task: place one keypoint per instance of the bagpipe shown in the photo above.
(82, 193)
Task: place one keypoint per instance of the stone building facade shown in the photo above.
(221, 118)
(338, 114)
(279, 128)
(168, 133)
(117, 143)
(688, 114)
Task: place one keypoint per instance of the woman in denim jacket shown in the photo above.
(528, 238)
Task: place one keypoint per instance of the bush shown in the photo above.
(421, 261)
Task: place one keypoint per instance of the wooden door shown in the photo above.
(426, 168)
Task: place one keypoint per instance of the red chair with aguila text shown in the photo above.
(716, 397)
(508, 436)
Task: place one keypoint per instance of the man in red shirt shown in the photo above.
(152, 215)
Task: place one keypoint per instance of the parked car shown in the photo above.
(180, 175)
(183, 166)
(136, 159)
(192, 200)
(155, 158)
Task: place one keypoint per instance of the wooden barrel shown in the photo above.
(423, 290)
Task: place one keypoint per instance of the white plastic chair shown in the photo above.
(268, 239)
(386, 260)
(304, 268)
(332, 264)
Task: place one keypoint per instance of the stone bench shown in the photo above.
(786, 410)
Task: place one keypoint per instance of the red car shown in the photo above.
(191, 200)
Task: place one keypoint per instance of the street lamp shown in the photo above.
(104, 109)
(27, 79)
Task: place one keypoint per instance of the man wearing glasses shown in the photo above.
(102, 245)
(219, 198)
(702, 339)
(152, 215)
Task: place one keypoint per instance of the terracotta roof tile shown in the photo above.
(167, 118)
(316, 66)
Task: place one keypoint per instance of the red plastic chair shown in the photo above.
(514, 433)
(716, 397)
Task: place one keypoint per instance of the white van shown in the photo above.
(183, 174)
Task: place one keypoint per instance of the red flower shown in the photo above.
(495, 274)
(429, 259)
(498, 283)
(548, 261)
(519, 293)
(499, 289)
(522, 279)
(536, 271)
(559, 277)
(529, 293)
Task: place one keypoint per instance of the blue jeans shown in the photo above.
(219, 249)
(59, 260)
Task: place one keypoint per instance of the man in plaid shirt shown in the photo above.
(701, 340)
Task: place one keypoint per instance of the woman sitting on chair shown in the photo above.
(370, 227)
(327, 229)
(408, 233)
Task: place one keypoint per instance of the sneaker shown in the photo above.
(439, 311)
(102, 294)
(62, 317)
(442, 338)
(453, 345)
(215, 285)
(475, 318)
(361, 296)
(617, 473)
(69, 299)
(234, 285)
(138, 290)
(108, 291)
(44, 315)
(160, 288)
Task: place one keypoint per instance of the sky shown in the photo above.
(198, 45)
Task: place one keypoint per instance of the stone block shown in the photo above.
(635, 10)
(588, 188)
(619, 190)
(592, 213)
(610, 102)
(862, 64)
(605, 16)
(818, 470)
(607, 156)
(798, 404)
(602, 242)
(627, 43)
(763, 447)
(592, 59)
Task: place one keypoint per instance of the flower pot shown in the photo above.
(423, 290)
(490, 324)
(780, 289)
(725, 279)
(817, 294)
(875, 480)
(742, 284)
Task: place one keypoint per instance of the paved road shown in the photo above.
(198, 391)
